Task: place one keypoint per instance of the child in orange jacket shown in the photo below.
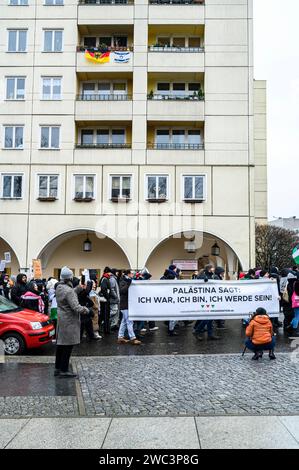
(259, 334)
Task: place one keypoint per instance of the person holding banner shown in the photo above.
(126, 324)
(260, 335)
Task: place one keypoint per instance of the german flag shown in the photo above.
(97, 57)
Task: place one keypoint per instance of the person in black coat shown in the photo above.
(19, 289)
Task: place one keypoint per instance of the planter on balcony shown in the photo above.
(120, 199)
(47, 199)
(194, 201)
(83, 199)
(159, 200)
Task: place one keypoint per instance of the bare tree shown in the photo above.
(274, 246)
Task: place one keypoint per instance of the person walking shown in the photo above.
(260, 336)
(126, 324)
(96, 309)
(68, 324)
(104, 299)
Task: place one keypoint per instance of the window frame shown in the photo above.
(52, 78)
(12, 186)
(96, 90)
(13, 126)
(50, 126)
(155, 175)
(17, 30)
(85, 175)
(193, 176)
(171, 129)
(186, 38)
(54, 4)
(52, 51)
(48, 175)
(120, 176)
(95, 129)
(18, 4)
(15, 77)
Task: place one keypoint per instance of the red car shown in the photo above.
(22, 329)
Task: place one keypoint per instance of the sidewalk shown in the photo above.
(256, 432)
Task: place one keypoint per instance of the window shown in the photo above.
(13, 137)
(48, 186)
(103, 90)
(15, 88)
(51, 88)
(12, 186)
(17, 40)
(194, 187)
(53, 2)
(178, 138)
(178, 42)
(121, 187)
(84, 186)
(53, 40)
(105, 41)
(163, 41)
(50, 137)
(116, 137)
(157, 187)
(18, 2)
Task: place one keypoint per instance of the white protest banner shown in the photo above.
(193, 300)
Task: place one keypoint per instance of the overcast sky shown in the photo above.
(276, 58)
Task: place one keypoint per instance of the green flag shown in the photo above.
(296, 254)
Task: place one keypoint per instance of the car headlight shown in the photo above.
(36, 325)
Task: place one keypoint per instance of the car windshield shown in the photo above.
(7, 306)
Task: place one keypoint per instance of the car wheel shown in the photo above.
(13, 343)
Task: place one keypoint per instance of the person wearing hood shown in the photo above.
(68, 324)
(31, 299)
(260, 336)
(19, 289)
(86, 320)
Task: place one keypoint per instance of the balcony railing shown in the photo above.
(106, 2)
(186, 97)
(109, 97)
(103, 49)
(154, 146)
(103, 146)
(176, 2)
(157, 48)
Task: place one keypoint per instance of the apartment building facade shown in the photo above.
(130, 125)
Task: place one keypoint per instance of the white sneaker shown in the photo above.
(155, 328)
(143, 330)
(96, 335)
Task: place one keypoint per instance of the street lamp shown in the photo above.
(215, 251)
(87, 246)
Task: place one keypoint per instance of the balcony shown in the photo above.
(104, 107)
(190, 11)
(113, 65)
(169, 146)
(89, 13)
(169, 107)
(103, 146)
(108, 154)
(175, 59)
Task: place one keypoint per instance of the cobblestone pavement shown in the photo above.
(157, 386)
(189, 385)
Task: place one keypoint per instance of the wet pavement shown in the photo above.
(159, 343)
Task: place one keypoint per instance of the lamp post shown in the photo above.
(215, 250)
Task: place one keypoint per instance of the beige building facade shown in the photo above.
(155, 150)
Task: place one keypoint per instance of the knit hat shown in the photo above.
(172, 267)
(66, 273)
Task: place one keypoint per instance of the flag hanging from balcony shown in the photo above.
(97, 57)
(296, 254)
(121, 56)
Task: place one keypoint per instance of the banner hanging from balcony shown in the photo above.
(97, 57)
(121, 56)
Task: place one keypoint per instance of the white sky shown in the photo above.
(276, 59)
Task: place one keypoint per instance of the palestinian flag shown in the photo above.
(296, 254)
(97, 57)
